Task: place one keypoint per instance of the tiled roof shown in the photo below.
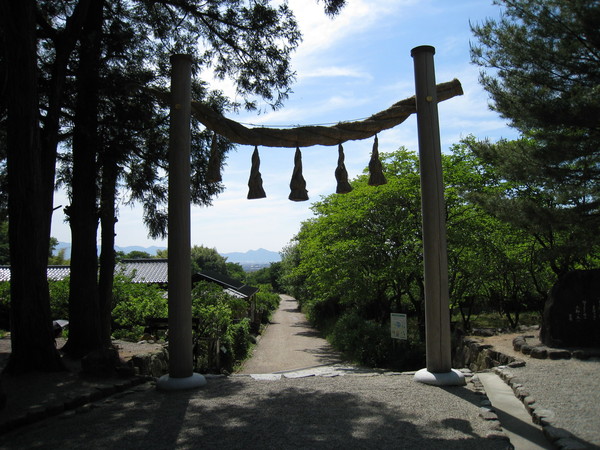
(54, 273)
(231, 286)
(145, 270)
(142, 270)
(151, 271)
(57, 273)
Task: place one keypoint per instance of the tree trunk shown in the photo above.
(107, 254)
(84, 310)
(32, 339)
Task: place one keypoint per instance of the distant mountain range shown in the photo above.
(260, 256)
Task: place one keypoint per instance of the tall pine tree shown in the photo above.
(541, 66)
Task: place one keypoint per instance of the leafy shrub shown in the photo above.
(59, 298)
(133, 303)
(224, 317)
(368, 342)
(238, 340)
(4, 305)
(266, 302)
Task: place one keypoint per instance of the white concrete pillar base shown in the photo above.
(452, 378)
(167, 383)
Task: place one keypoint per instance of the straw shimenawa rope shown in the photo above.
(306, 136)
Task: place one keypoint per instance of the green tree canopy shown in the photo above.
(541, 66)
(362, 252)
(204, 258)
(81, 50)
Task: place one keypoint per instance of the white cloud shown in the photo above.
(336, 71)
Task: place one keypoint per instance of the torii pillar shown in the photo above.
(439, 370)
(181, 360)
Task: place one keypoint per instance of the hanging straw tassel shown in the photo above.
(255, 187)
(298, 184)
(213, 171)
(376, 177)
(341, 174)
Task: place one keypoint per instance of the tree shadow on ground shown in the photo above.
(235, 413)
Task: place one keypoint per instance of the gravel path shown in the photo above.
(368, 412)
(289, 343)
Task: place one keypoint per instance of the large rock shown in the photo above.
(572, 311)
(102, 362)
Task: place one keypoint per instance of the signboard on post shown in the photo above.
(398, 326)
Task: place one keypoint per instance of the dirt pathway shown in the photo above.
(289, 343)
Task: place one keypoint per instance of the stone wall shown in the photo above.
(151, 364)
(472, 353)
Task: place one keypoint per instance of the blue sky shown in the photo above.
(349, 67)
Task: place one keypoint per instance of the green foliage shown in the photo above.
(4, 248)
(215, 309)
(360, 258)
(261, 276)
(369, 342)
(4, 305)
(540, 64)
(266, 302)
(133, 303)
(501, 322)
(224, 317)
(238, 340)
(136, 254)
(59, 259)
(204, 258)
(236, 271)
(59, 298)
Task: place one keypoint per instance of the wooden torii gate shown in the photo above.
(427, 95)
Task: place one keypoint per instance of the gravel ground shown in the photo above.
(570, 389)
(352, 411)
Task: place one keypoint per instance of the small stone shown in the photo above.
(539, 352)
(497, 435)
(569, 444)
(554, 433)
(517, 363)
(521, 393)
(55, 408)
(516, 381)
(526, 349)
(36, 413)
(84, 409)
(486, 414)
(484, 332)
(494, 425)
(123, 394)
(581, 354)
(266, 377)
(538, 413)
(529, 403)
(515, 386)
(559, 354)
(77, 401)
(67, 414)
(106, 390)
(96, 395)
(518, 342)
